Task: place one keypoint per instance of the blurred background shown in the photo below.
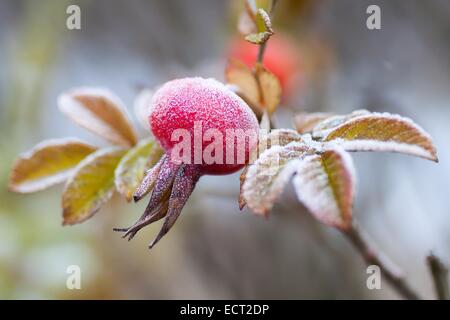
(332, 62)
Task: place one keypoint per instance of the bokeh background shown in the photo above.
(214, 251)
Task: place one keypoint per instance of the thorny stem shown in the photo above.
(439, 272)
(373, 256)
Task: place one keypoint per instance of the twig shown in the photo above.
(439, 272)
(373, 256)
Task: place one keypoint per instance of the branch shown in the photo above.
(373, 256)
(439, 272)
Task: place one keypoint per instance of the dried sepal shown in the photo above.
(325, 184)
(382, 132)
(266, 178)
(184, 184)
(99, 111)
(91, 185)
(134, 164)
(48, 163)
(149, 180)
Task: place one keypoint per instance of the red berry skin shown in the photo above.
(181, 103)
(281, 58)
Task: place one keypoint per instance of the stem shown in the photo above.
(373, 256)
(262, 47)
(261, 50)
(439, 272)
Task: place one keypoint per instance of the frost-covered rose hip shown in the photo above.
(204, 128)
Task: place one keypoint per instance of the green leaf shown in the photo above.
(325, 184)
(131, 169)
(91, 185)
(48, 163)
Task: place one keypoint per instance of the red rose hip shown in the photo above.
(204, 128)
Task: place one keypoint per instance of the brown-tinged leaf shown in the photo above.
(48, 163)
(305, 122)
(270, 88)
(141, 105)
(133, 165)
(325, 184)
(383, 132)
(266, 178)
(238, 74)
(91, 185)
(99, 111)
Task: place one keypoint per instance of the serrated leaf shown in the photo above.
(99, 111)
(238, 74)
(267, 177)
(141, 105)
(325, 184)
(131, 169)
(383, 132)
(91, 185)
(305, 122)
(48, 163)
(270, 88)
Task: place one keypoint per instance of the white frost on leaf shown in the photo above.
(267, 177)
(382, 132)
(325, 184)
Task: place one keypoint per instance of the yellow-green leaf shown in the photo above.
(383, 132)
(325, 185)
(131, 169)
(48, 163)
(99, 111)
(270, 88)
(258, 38)
(91, 185)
